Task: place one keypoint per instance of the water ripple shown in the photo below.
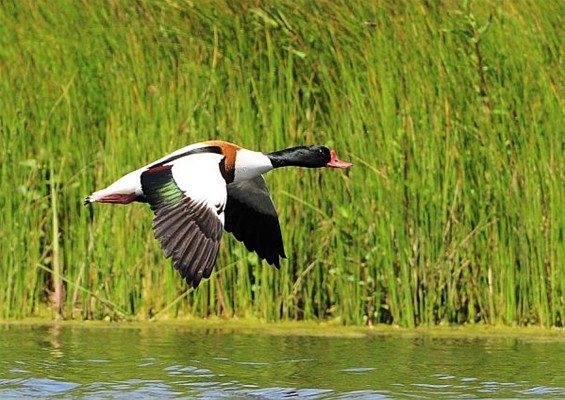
(187, 363)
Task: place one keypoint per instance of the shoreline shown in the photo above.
(312, 328)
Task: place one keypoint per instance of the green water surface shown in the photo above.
(181, 361)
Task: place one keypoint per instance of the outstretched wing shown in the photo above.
(252, 218)
(188, 198)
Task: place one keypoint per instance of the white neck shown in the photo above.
(250, 164)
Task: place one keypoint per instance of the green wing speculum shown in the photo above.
(188, 231)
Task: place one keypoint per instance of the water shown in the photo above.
(165, 361)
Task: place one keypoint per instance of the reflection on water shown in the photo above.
(162, 361)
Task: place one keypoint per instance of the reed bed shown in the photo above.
(452, 112)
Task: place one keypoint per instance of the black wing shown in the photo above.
(188, 231)
(252, 218)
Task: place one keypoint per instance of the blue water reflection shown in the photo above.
(152, 361)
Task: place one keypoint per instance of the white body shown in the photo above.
(196, 173)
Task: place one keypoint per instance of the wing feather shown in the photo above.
(188, 228)
(251, 217)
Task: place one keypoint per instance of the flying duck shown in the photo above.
(199, 190)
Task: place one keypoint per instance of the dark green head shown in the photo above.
(308, 157)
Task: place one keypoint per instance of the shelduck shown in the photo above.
(199, 190)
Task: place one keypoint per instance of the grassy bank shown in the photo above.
(453, 115)
(530, 334)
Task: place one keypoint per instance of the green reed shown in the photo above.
(453, 115)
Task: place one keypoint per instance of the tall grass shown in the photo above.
(452, 113)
